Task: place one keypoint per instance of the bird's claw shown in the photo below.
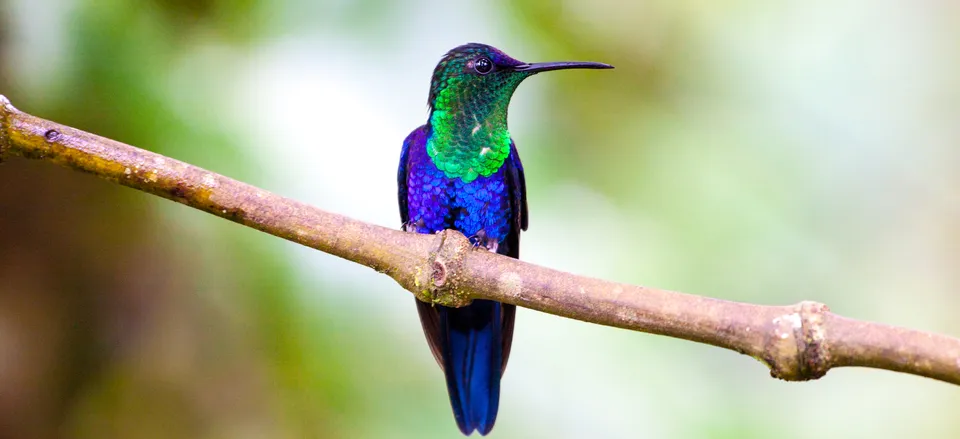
(412, 226)
(480, 239)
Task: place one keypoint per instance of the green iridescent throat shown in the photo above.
(469, 120)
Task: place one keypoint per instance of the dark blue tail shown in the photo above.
(472, 353)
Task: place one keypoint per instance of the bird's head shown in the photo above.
(469, 96)
(478, 77)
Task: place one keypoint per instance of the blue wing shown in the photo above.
(414, 136)
(517, 183)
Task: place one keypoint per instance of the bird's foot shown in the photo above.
(480, 239)
(413, 226)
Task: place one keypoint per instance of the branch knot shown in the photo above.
(811, 340)
(443, 280)
(796, 349)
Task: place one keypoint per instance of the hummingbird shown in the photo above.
(461, 171)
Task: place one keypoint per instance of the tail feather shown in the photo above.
(472, 362)
(470, 347)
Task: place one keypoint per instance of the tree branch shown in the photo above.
(799, 342)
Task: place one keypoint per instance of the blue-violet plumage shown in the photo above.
(461, 171)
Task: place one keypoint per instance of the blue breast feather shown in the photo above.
(443, 203)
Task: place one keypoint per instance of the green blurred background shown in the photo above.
(762, 151)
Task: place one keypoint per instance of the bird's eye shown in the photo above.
(483, 65)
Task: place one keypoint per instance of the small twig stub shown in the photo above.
(5, 109)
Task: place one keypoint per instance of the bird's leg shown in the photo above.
(481, 239)
(411, 226)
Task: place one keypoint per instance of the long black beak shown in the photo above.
(547, 66)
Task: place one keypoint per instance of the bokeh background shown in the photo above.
(762, 151)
